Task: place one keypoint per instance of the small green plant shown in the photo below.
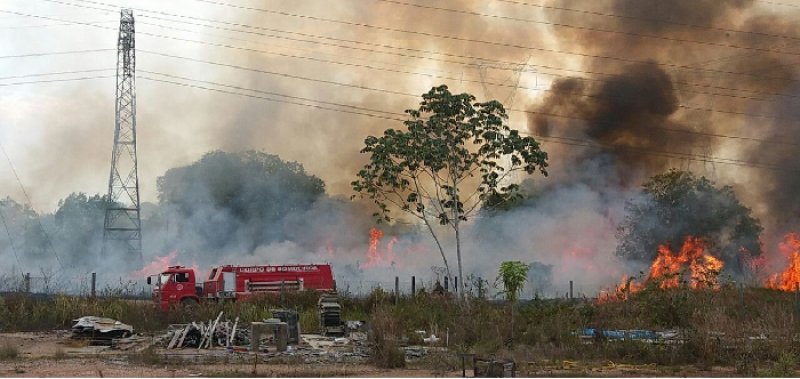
(512, 274)
(8, 351)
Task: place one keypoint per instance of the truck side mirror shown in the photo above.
(149, 281)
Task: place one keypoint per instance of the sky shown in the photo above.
(58, 135)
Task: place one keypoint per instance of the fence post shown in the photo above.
(413, 286)
(28, 282)
(455, 284)
(570, 290)
(396, 289)
(94, 284)
(446, 283)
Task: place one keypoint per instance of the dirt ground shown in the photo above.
(54, 354)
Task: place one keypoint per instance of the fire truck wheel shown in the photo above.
(189, 302)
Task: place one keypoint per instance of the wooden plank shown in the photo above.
(210, 341)
(183, 335)
(175, 335)
(233, 333)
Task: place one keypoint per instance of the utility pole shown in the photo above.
(122, 228)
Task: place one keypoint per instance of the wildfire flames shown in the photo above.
(788, 279)
(158, 265)
(374, 256)
(693, 263)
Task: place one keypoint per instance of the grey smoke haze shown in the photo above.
(58, 135)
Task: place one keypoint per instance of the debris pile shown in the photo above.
(588, 335)
(330, 315)
(204, 335)
(100, 329)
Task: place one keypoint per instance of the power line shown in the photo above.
(683, 131)
(463, 39)
(54, 73)
(426, 34)
(47, 25)
(683, 106)
(472, 64)
(51, 53)
(647, 20)
(269, 93)
(55, 80)
(364, 87)
(670, 154)
(10, 239)
(273, 99)
(706, 134)
(585, 28)
(285, 75)
(30, 203)
(438, 53)
(416, 95)
(413, 56)
(557, 139)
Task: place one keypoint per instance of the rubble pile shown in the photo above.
(204, 335)
(99, 329)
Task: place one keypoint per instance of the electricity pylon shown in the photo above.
(123, 226)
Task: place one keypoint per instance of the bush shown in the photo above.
(385, 351)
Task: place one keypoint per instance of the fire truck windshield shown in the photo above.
(163, 278)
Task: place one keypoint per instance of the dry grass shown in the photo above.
(721, 323)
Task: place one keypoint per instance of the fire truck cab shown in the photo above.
(179, 285)
(176, 285)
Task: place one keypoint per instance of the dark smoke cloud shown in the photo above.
(696, 87)
(627, 112)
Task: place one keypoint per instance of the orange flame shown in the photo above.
(156, 266)
(788, 279)
(374, 256)
(626, 287)
(669, 268)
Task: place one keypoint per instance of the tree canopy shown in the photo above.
(225, 194)
(678, 204)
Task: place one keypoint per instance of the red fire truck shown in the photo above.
(179, 285)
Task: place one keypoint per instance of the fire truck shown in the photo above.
(178, 285)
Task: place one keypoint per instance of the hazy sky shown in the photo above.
(58, 135)
(341, 55)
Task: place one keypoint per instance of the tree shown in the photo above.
(225, 196)
(677, 204)
(513, 275)
(79, 226)
(23, 234)
(446, 163)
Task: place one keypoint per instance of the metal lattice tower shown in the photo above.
(122, 227)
